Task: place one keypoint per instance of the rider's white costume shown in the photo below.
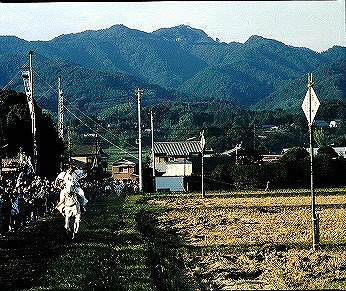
(72, 178)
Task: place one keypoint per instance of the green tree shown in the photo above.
(17, 131)
(329, 168)
(296, 168)
(321, 138)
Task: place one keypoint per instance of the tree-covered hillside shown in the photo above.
(182, 58)
(87, 89)
(224, 124)
(329, 84)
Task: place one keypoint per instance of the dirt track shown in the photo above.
(25, 254)
(106, 254)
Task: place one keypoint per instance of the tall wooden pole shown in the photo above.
(202, 163)
(203, 190)
(60, 110)
(152, 147)
(33, 122)
(139, 92)
(315, 220)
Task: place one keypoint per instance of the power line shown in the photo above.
(83, 123)
(50, 88)
(98, 125)
(18, 72)
(66, 108)
(94, 131)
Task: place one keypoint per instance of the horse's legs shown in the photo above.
(76, 223)
(67, 221)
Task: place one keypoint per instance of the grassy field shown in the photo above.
(226, 241)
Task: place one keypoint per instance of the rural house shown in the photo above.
(125, 169)
(173, 162)
(89, 156)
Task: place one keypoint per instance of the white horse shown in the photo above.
(70, 209)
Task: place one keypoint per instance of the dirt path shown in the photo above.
(26, 253)
(107, 254)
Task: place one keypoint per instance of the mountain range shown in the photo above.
(103, 68)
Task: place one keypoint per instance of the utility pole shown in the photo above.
(237, 147)
(60, 115)
(152, 146)
(60, 111)
(33, 125)
(69, 146)
(254, 136)
(310, 106)
(202, 163)
(96, 158)
(1, 146)
(139, 92)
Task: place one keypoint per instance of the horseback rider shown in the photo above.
(69, 207)
(71, 176)
(66, 192)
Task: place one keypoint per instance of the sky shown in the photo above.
(317, 25)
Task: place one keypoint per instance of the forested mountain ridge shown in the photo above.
(182, 61)
(89, 90)
(332, 74)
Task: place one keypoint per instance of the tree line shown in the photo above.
(292, 170)
(224, 125)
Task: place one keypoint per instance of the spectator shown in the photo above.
(6, 213)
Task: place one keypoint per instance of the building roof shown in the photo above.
(321, 123)
(78, 164)
(127, 161)
(177, 148)
(270, 158)
(86, 150)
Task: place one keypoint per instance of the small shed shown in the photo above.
(175, 157)
(174, 162)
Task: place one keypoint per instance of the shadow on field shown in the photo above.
(26, 253)
(167, 266)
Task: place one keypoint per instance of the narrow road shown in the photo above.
(26, 253)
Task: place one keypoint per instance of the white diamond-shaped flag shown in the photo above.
(315, 103)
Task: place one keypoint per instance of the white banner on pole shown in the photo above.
(310, 111)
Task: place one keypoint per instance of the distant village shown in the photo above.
(171, 163)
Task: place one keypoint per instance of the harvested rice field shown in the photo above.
(259, 240)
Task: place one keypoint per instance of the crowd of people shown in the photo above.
(26, 198)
